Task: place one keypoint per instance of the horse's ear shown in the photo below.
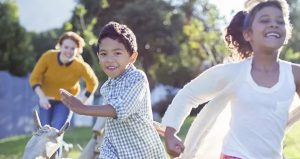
(36, 119)
(62, 130)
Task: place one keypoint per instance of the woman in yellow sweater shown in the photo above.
(62, 68)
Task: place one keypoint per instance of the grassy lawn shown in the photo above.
(292, 142)
(12, 148)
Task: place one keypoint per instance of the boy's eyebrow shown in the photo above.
(116, 49)
(101, 50)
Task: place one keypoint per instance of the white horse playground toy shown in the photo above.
(45, 141)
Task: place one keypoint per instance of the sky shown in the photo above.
(42, 15)
(227, 6)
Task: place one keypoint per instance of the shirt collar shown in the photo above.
(129, 69)
(61, 63)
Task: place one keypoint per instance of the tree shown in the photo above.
(15, 44)
(154, 29)
(85, 26)
(294, 16)
(44, 41)
(153, 36)
(172, 39)
(199, 40)
(292, 50)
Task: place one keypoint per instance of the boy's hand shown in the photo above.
(161, 129)
(174, 144)
(71, 102)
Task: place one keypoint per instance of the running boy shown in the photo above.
(129, 132)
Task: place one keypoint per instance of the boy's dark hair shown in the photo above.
(121, 33)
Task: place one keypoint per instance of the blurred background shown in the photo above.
(177, 40)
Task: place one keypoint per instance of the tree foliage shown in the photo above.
(292, 50)
(172, 40)
(199, 42)
(85, 27)
(175, 38)
(44, 41)
(15, 43)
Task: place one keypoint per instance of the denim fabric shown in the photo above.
(56, 116)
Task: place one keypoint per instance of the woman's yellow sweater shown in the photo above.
(51, 74)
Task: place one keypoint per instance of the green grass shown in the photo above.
(78, 136)
(292, 142)
(185, 127)
(13, 147)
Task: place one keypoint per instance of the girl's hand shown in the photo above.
(44, 102)
(71, 102)
(174, 144)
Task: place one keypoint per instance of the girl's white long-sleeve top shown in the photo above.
(255, 113)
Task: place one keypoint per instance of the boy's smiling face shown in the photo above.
(114, 57)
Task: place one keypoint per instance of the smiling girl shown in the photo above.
(257, 92)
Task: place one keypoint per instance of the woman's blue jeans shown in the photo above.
(56, 116)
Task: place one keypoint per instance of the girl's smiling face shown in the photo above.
(268, 29)
(113, 57)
